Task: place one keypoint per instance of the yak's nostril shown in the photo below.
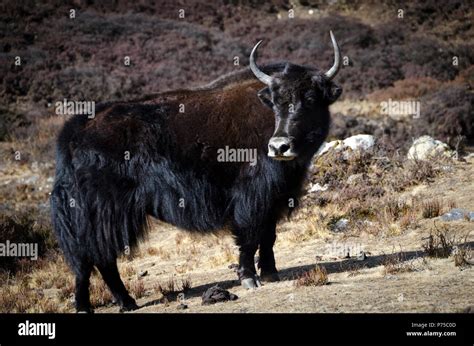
(283, 148)
(278, 148)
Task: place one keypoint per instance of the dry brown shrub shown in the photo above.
(317, 276)
(440, 242)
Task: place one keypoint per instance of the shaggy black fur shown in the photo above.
(145, 158)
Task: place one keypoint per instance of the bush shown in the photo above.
(22, 228)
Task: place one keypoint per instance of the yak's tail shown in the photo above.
(96, 215)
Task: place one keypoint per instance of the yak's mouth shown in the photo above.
(282, 157)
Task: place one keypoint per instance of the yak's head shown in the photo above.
(300, 97)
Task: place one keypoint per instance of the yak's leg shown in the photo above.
(112, 278)
(247, 249)
(266, 262)
(83, 274)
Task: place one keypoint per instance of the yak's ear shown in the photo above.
(266, 97)
(334, 92)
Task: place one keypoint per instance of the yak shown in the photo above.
(158, 157)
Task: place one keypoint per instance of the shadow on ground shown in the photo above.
(291, 273)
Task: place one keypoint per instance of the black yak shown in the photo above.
(159, 156)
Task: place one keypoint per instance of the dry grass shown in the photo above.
(66, 293)
(163, 253)
(432, 208)
(179, 239)
(172, 286)
(127, 270)
(225, 256)
(137, 288)
(152, 251)
(365, 188)
(314, 225)
(406, 89)
(99, 292)
(440, 242)
(186, 284)
(462, 256)
(317, 276)
(166, 288)
(25, 227)
(396, 264)
(20, 297)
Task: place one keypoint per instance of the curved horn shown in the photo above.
(264, 78)
(332, 72)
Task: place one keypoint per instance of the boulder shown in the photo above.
(426, 147)
(457, 214)
(357, 143)
(340, 225)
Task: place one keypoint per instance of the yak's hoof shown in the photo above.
(85, 311)
(249, 283)
(129, 307)
(269, 277)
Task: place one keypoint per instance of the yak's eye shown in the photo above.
(275, 99)
(275, 88)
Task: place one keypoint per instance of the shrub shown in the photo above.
(317, 276)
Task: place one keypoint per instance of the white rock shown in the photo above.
(317, 187)
(426, 147)
(341, 225)
(357, 143)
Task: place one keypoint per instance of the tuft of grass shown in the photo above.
(317, 276)
(152, 251)
(127, 270)
(137, 288)
(171, 286)
(166, 288)
(396, 264)
(462, 256)
(432, 208)
(186, 284)
(439, 243)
